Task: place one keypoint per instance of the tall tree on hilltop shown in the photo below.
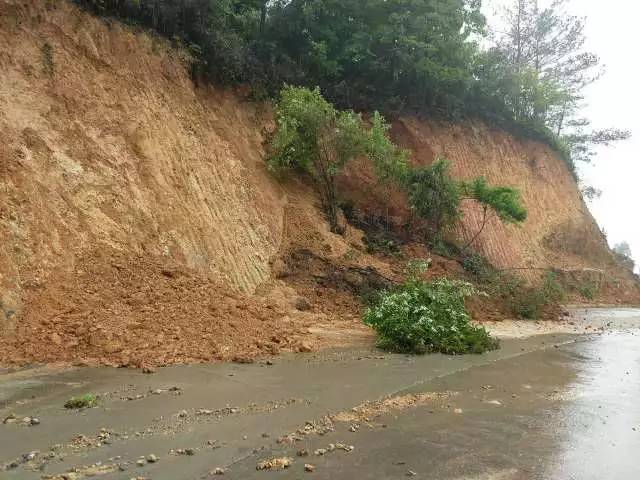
(547, 44)
(544, 50)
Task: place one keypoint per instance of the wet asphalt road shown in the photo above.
(548, 407)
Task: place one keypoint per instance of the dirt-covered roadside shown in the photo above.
(575, 320)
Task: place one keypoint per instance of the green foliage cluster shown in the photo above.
(588, 290)
(314, 137)
(435, 196)
(88, 400)
(421, 317)
(477, 265)
(522, 299)
(504, 201)
(528, 301)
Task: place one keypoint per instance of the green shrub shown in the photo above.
(553, 290)
(477, 265)
(527, 301)
(444, 248)
(85, 401)
(416, 268)
(381, 244)
(588, 290)
(435, 196)
(423, 317)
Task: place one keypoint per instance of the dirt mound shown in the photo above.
(135, 310)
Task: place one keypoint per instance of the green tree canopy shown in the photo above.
(504, 201)
(435, 196)
(316, 138)
(400, 54)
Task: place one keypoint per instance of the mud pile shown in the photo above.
(125, 310)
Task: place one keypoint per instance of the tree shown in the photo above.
(314, 137)
(503, 202)
(622, 251)
(583, 144)
(590, 192)
(547, 44)
(623, 248)
(548, 69)
(402, 54)
(435, 196)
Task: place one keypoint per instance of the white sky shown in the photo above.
(613, 101)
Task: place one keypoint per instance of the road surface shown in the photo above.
(556, 407)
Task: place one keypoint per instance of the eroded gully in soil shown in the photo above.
(555, 406)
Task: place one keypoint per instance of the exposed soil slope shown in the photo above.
(116, 148)
(139, 225)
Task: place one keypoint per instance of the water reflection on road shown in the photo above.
(599, 425)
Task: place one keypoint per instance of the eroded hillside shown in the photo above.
(138, 222)
(559, 232)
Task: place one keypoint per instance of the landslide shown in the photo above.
(139, 225)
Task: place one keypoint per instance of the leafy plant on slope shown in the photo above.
(314, 137)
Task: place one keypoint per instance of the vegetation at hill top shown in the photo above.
(429, 57)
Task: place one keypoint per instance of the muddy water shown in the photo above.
(546, 407)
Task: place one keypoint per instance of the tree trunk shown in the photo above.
(518, 59)
(326, 182)
(561, 120)
(484, 223)
(263, 16)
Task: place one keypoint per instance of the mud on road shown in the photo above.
(554, 406)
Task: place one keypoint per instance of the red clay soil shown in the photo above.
(136, 311)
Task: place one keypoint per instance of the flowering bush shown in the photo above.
(423, 317)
